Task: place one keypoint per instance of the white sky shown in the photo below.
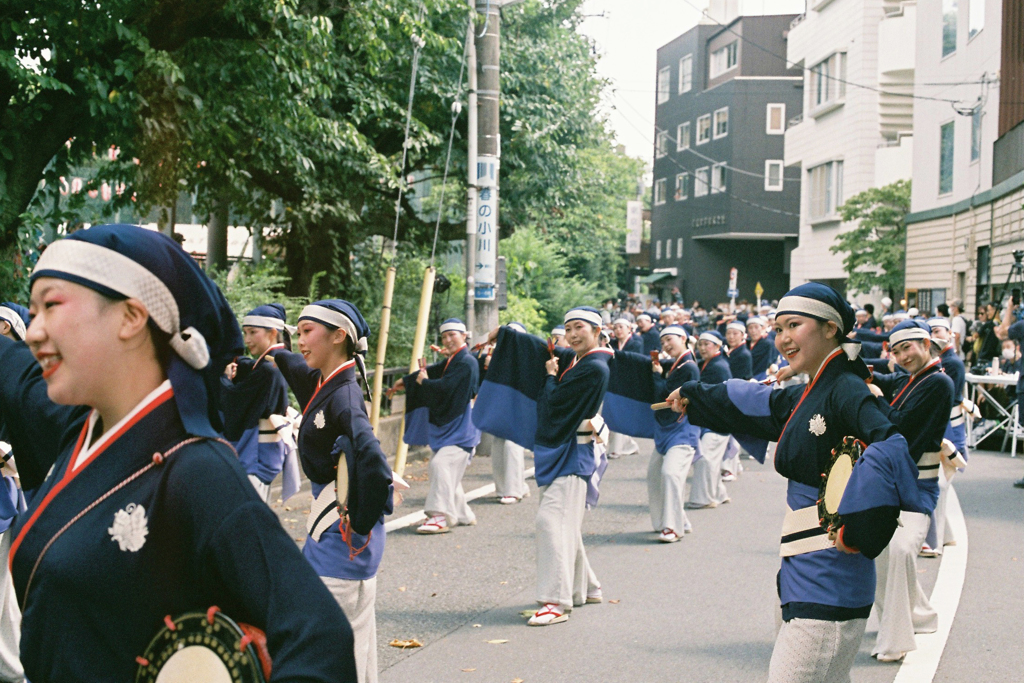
(628, 37)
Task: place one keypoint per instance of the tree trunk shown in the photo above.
(217, 236)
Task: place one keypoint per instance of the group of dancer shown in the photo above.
(144, 447)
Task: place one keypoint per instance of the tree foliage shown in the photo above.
(875, 250)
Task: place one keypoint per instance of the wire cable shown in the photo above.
(796, 65)
(705, 157)
(725, 192)
(456, 109)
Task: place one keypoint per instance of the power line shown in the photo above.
(705, 157)
(725, 192)
(811, 69)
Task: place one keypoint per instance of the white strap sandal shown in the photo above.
(435, 525)
(551, 613)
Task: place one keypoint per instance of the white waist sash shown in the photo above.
(802, 533)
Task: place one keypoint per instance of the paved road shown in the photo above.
(698, 610)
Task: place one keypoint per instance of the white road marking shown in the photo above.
(415, 517)
(920, 665)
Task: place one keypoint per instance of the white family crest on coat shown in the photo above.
(319, 420)
(817, 425)
(130, 528)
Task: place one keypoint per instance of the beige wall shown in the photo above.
(939, 249)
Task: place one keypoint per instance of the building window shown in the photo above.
(718, 178)
(659, 191)
(826, 194)
(776, 119)
(703, 129)
(663, 85)
(700, 182)
(657, 250)
(661, 144)
(724, 59)
(976, 134)
(683, 136)
(946, 158)
(949, 18)
(682, 186)
(685, 74)
(679, 247)
(773, 175)
(721, 122)
(975, 18)
(828, 80)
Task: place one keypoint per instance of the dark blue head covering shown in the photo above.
(271, 316)
(1016, 332)
(340, 314)
(909, 329)
(818, 301)
(453, 325)
(126, 261)
(821, 302)
(713, 336)
(17, 317)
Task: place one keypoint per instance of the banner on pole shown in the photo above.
(484, 272)
(635, 226)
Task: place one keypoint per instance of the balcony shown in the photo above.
(896, 47)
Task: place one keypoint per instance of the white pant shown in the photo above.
(707, 486)
(731, 460)
(902, 606)
(939, 532)
(620, 444)
(508, 469)
(815, 651)
(262, 490)
(446, 496)
(10, 618)
(564, 575)
(666, 487)
(357, 600)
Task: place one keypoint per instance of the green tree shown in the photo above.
(875, 250)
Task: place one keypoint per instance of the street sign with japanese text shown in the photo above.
(486, 226)
(635, 226)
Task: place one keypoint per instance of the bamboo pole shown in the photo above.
(418, 341)
(382, 347)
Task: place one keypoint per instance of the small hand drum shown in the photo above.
(834, 480)
(341, 483)
(209, 647)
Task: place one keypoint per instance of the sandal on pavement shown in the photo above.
(668, 536)
(890, 657)
(594, 597)
(698, 506)
(551, 613)
(435, 525)
(509, 500)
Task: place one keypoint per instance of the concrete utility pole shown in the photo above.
(471, 133)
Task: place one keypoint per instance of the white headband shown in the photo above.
(455, 326)
(624, 321)
(17, 324)
(803, 305)
(263, 321)
(707, 336)
(514, 326)
(737, 326)
(121, 274)
(334, 318)
(558, 331)
(933, 323)
(673, 329)
(591, 317)
(908, 334)
(758, 320)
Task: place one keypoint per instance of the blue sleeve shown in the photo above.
(740, 407)
(300, 377)
(371, 496)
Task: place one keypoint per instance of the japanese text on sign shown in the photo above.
(486, 226)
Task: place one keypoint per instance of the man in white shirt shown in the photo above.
(957, 325)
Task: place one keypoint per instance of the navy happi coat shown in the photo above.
(181, 536)
(334, 421)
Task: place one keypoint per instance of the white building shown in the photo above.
(857, 125)
(966, 211)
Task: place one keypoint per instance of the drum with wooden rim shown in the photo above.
(834, 481)
(208, 647)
